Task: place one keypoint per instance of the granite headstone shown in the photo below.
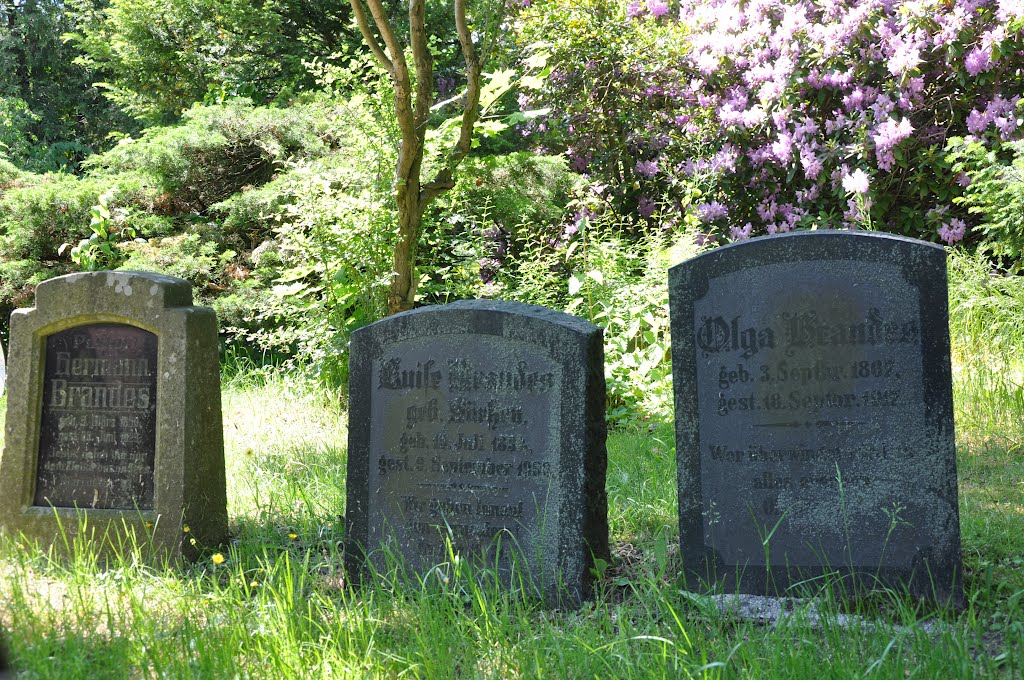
(480, 425)
(113, 415)
(814, 417)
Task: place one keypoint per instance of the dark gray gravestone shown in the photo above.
(814, 416)
(480, 423)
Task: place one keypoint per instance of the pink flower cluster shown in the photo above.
(798, 91)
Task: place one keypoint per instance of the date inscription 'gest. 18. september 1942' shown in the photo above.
(97, 437)
(462, 449)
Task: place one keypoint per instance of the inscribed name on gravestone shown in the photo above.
(113, 415)
(480, 423)
(814, 418)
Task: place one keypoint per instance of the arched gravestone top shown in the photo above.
(483, 422)
(113, 411)
(814, 416)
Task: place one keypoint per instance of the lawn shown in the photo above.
(279, 605)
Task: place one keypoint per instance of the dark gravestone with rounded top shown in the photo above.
(479, 425)
(814, 416)
(113, 415)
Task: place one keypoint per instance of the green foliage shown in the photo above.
(498, 204)
(995, 193)
(102, 250)
(53, 209)
(163, 56)
(603, 83)
(51, 117)
(218, 151)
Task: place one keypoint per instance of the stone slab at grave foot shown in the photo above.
(480, 424)
(814, 416)
(114, 415)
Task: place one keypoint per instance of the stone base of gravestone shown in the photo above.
(114, 418)
(477, 430)
(814, 417)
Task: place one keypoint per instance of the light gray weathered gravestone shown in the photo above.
(814, 415)
(480, 423)
(113, 415)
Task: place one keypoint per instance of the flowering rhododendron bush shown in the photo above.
(612, 84)
(808, 113)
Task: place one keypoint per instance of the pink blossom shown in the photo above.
(647, 169)
(977, 61)
(740, 233)
(646, 207)
(635, 9)
(709, 212)
(657, 8)
(952, 231)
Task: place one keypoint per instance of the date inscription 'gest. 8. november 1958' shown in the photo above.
(97, 439)
(463, 446)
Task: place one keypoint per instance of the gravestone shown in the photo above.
(480, 424)
(814, 416)
(113, 415)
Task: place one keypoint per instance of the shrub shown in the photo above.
(791, 97)
(53, 209)
(218, 151)
(608, 85)
(994, 192)
(498, 205)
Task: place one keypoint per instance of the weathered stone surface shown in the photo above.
(814, 418)
(481, 423)
(113, 415)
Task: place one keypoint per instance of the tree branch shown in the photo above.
(387, 34)
(423, 61)
(371, 41)
(445, 178)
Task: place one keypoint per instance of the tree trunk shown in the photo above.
(402, 292)
(412, 111)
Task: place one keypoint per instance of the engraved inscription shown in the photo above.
(464, 441)
(97, 438)
(803, 393)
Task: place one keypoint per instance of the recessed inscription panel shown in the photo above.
(464, 443)
(97, 439)
(806, 393)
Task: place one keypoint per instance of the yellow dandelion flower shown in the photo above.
(218, 559)
(186, 529)
(149, 525)
(293, 536)
(254, 584)
(192, 541)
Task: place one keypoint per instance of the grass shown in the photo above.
(279, 606)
